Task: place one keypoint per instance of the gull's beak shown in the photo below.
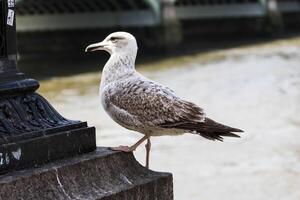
(96, 47)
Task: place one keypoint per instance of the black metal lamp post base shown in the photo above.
(32, 132)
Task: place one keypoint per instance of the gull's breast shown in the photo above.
(121, 116)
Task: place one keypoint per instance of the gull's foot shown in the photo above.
(126, 149)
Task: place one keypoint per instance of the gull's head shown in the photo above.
(117, 42)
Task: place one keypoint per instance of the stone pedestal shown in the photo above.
(102, 174)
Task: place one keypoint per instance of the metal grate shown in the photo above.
(40, 7)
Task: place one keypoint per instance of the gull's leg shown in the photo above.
(132, 148)
(148, 148)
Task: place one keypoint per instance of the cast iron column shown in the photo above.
(32, 132)
(8, 49)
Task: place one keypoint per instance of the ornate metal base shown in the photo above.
(32, 132)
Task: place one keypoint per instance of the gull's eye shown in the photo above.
(113, 39)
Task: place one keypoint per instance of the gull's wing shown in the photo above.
(153, 104)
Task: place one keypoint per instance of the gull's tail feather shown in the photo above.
(212, 130)
(208, 129)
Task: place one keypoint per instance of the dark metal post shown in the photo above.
(8, 47)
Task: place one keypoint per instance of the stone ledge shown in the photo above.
(102, 174)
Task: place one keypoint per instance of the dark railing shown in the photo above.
(32, 7)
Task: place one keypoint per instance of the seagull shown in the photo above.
(140, 104)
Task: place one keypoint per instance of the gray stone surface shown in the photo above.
(102, 174)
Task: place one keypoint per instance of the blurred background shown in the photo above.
(238, 59)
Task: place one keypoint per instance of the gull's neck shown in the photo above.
(120, 65)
